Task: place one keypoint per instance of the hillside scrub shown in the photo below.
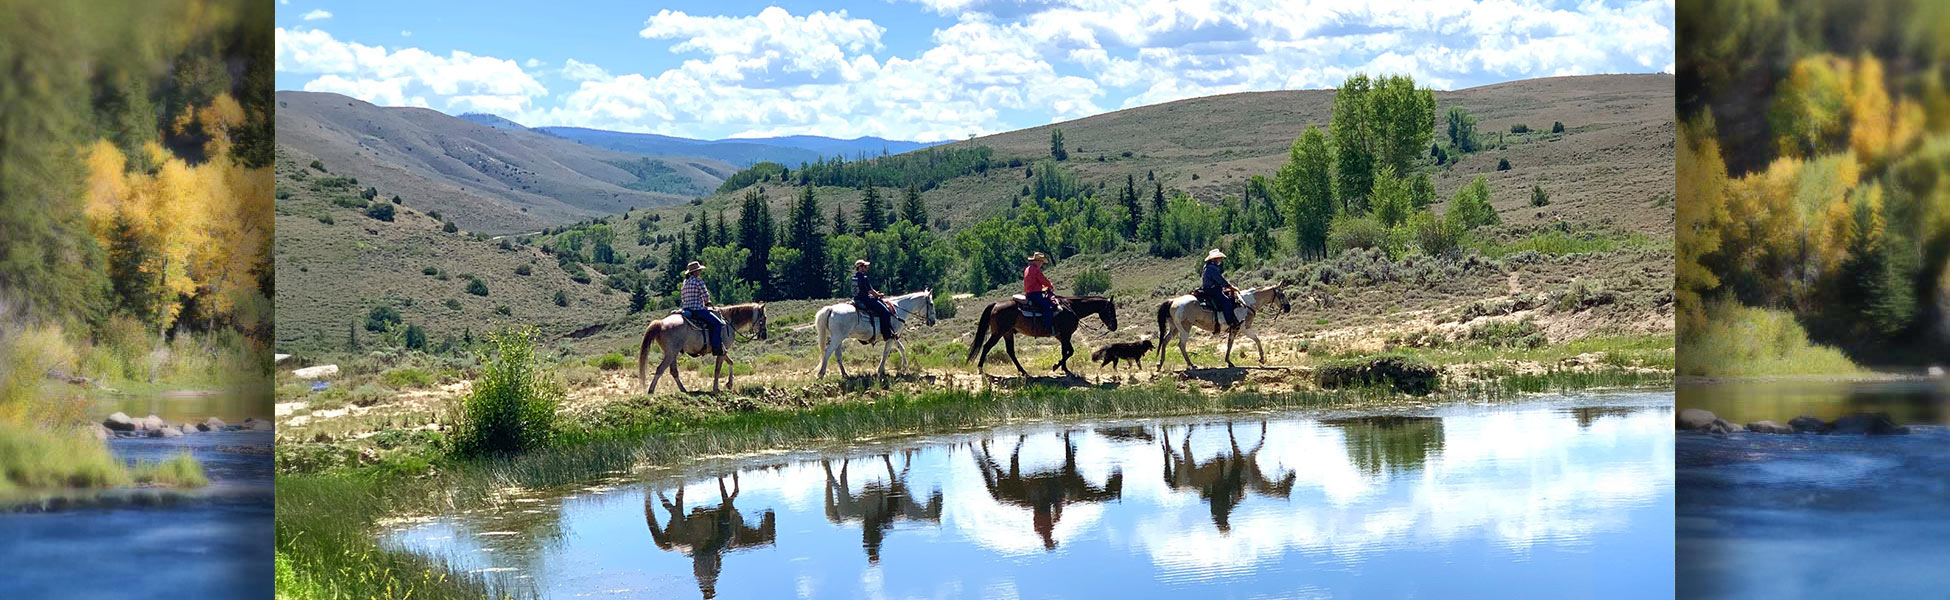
(512, 407)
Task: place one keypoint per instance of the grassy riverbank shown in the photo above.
(326, 547)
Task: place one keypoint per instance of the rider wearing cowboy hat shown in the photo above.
(696, 299)
(868, 299)
(1214, 287)
(1039, 291)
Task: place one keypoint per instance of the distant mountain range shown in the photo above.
(788, 150)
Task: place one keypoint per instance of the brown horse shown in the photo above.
(1003, 320)
(674, 335)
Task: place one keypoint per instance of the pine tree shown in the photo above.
(722, 236)
(702, 236)
(1156, 223)
(913, 209)
(1134, 212)
(1056, 149)
(674, 264)
(352, 337)
(639, 297)
(839, 220)
(803, 233)
(756, 233)
(873, 213)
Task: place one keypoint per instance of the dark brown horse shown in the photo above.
(1003, 320)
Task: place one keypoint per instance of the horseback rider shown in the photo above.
(1038, 290)
(696, 298)
(1217, 290)
(868, 299)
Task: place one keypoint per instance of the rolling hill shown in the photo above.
(486, 178)
(789, 150)
(1609, 174)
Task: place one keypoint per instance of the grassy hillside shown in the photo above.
(335, 264)
(1604, 241)
(489, 179)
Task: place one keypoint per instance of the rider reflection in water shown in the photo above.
(878, 505)
(1044, 492)
(705, 534)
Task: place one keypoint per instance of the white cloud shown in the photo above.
(405, 33)
(582, 71)
(317, 14)
(1004, 64)
(406, 76)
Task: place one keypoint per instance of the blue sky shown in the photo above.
(923, 69)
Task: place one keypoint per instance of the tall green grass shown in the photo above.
(512, 408)
(34, 458)
(1743, 341)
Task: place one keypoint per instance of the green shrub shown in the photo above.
(610, 362)
(381, 211)
(1557, 127)
(416, 337)
(561, 298)
(381, 317)
(326, 219)
(320, 166)
(1502, 164)
(1472, 205)
(512, 407)
(1539, 197)
(524, 270)
(407, 378)
(451, 304)
(1436, 235)
(1348, 232)
(475, 287)
(1091, 282)
(503, 310)
(1403, 373)
(944, 307)
(1742, 341)
(1519, 128)
(449, 227)
(1508, 334)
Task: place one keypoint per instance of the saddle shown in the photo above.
(1029, 309)
(872, 321)
(1204, 300)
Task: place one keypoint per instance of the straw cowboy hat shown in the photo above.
(693, 267)
(1036, 256)
(1215, 254)
(861, 263)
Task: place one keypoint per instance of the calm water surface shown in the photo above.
(213, 543)
(1774, 516)
(1906, 400)
(186, 406)
(1563, 497)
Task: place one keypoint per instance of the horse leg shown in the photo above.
(1257, 345)
(886, 347)
(832, 350)
(1181, 350)
(1229, 337)
(986, 347)
(902, 347)
(1010, 342)
(670, 358)
(731, 374)
(1064, 363)
(1164, 344)
(660, 375)
(838, 346)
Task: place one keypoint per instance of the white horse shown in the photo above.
(1179, 316)
(841, 322)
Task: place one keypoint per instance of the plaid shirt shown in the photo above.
(695, 296)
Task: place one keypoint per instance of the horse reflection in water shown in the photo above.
(705, 534)
(1223, 481)
(1044, 492)
(879, 504)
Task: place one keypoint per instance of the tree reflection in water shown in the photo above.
(1221, 482)
(879, 504)
(705, 534)
(1044, 493)
(1390, 444)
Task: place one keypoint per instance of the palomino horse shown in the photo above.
(1178, 316)
(841, 322)
(706, 534)
(674, 335)
(1003, 320)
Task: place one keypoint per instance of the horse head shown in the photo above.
(1104, 307)
(758, 321)
(929, 295)
(1279, 298)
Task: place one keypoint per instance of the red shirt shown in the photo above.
(1033, 280)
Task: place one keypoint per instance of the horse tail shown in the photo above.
(1164, 317)
(819, 322)
(981, 329)
(643, 352)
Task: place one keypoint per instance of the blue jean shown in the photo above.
(1047, 307)
(714, 326)
(1222, 304)
(872, 306)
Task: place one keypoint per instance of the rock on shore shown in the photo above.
(1693, 419)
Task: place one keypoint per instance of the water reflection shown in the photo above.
(1390, 444)
(1462, 502)
(1222, 481)
(1908, 401)
(1044, 492)
(705, 533)
(879, 504)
